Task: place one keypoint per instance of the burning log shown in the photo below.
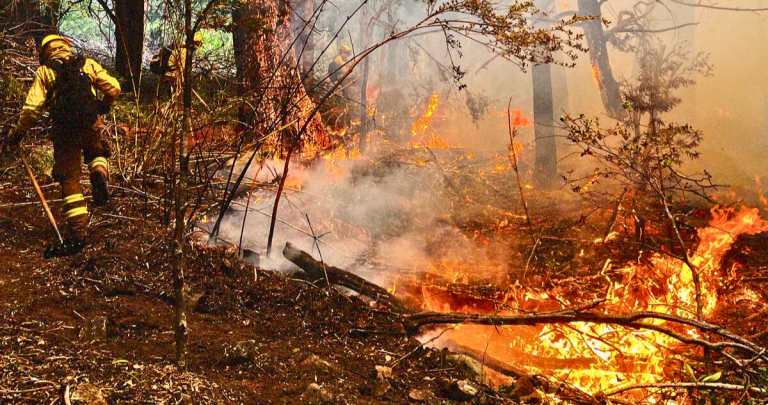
(632, 320)
(540, 362)
(487, 360)
(334, 275)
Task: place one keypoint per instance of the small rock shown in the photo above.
(525, 391)
(467, 388)
(462, 390)
(421, 396)
(192, 298)
(316, 365)
(88, 394)
(94, 329)
(250, 256)
(316, 394)
(383, 372)
(381, 387)
(242, 352)
(471, 366)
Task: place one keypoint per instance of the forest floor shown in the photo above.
(102, 321)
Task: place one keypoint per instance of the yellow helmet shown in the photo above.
(50, 38)
(346, 49)
(198, 39)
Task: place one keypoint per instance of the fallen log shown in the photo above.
(540, 362)
(565, 391)
(334, 275)
(486, 360)
(632, 320)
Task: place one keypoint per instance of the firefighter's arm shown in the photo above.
(33, 107)
(105, 83)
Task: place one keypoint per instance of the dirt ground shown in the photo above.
(101, 322)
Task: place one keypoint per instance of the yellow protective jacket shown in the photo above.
(176, 62)
(43, 82)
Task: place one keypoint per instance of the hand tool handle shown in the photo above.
(42, 198)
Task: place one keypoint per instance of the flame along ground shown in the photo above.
(602, 358)
(594, 358)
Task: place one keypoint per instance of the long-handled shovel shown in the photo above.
(62, 249)
(42, 198)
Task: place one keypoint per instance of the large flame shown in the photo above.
(421, 136)
(595, 357)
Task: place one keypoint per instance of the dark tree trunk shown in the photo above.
(364, 107)
(560, 99)
(180, 198)
(268, 73)
(305, 45)
(240, 37)
(364, 38)
(545, 170)
(545, 173)
(598, 56)
(129, 37)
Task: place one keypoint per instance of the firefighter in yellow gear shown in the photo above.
(337, 68)
(177, 60)
(68, 146)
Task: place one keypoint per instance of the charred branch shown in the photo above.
(632, 320)
(318, 270)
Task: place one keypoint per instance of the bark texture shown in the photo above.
(268, 73)
(129, 37)
(334, 275)
(545, 175)
(598, 56)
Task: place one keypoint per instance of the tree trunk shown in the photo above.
(268, 74)
(241, 35)
(561, 102)
(545, 173)
(318, 270)
(129, 37)
(598, 57)
(305, 46)
(365, 37)
(180, 203)
(545, 167)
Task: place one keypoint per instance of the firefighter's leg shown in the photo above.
(66, 170)
(96, 152)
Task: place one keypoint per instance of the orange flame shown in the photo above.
(421, 137)
(596, 75)
(421, 125)
(597, 357)
(518, 118)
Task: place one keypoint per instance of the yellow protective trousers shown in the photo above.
(67, 151)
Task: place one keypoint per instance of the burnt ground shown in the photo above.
(102, 321)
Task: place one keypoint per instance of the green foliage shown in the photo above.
(79, 22)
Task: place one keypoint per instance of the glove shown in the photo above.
(11, 141)
(104, 107)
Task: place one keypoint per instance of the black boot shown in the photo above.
(71, 246)
(99, 186)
